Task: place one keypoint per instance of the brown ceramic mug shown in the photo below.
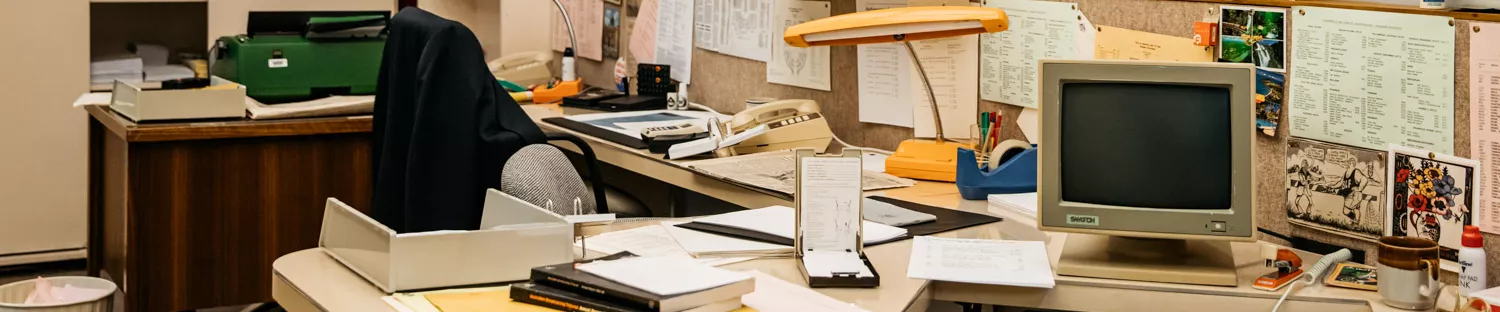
(1408, 271)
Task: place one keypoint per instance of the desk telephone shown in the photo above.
(525, 68)
(789, 124)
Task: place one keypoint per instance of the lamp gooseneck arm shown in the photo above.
(937, 120)
(572, 38)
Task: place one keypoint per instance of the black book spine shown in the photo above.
(568, 284)
(558, 301)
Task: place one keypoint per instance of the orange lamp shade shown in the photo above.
(897, 24)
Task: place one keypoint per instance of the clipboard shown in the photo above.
(830, 219)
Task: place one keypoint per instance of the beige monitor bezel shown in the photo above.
(1240, 218)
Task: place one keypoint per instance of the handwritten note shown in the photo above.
(1039, 30)
(1484, 119)
(1367, 78)
(588, 24)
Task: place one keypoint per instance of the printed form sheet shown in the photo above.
(745, 29)
(588, 24)
(1484, 119)
(793, 66)
(952, 66)
(884, 73)
(674, 37)
(1115, 43)
(706, 27)
(1039, 30)
(1367, 78)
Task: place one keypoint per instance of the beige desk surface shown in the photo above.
(309, 280)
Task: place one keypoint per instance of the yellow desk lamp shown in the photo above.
(918, 159)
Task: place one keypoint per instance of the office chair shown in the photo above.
(443, 129)
(540, 174)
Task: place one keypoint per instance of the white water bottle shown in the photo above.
(1471, 262)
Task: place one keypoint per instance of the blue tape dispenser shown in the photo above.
(1013, 172)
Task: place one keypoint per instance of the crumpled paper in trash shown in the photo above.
(45, 293)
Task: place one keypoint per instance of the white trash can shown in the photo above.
(13, 295)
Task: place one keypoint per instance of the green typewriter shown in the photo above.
(293, 56)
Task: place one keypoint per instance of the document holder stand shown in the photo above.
(830, 221)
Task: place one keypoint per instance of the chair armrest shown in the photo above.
(592, 161)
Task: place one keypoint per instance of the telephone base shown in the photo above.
(925, 160)
(557, 92)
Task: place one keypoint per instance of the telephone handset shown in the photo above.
(772, 112)
(525, 68)
(789, 124)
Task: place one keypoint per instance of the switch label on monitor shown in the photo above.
(1083, 220)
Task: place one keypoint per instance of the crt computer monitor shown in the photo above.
(1151, 163)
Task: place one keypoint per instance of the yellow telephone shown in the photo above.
(525, 68)
(789, 124)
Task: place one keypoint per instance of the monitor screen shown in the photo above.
(1146, 145)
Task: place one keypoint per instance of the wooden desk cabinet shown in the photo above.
(191, 215)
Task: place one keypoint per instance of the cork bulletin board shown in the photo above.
(724, 82)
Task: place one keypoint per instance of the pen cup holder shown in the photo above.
(1014, 175)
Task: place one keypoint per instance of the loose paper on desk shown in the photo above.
(706, 27)
(1113, 43)
(776, 171)
(1484, 118)
(793, 66)
(648, 241)
(663, 276)
(1039, 30)
(746, 29)
(884, 76)
(952, 66)
(981, 261)
(674, 37)
(588, 23)
(1367, 78)
(776, 295)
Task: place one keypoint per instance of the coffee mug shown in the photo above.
(1408, 272)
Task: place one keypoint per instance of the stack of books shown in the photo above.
(623, 282)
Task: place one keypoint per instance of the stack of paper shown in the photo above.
(168, 72)
(981, 261)
(125, 67)
(665, 276)
(782, 221)
(702, 244)
(1023, 204)
(648, 241)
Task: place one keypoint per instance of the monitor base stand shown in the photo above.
(1153, 260)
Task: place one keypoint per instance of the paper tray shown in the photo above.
(412, 261)
(139, 104)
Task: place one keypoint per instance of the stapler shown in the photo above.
(1288, 268)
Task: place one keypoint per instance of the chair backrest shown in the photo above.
(539, 173)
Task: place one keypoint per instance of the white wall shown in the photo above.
(43, 140)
